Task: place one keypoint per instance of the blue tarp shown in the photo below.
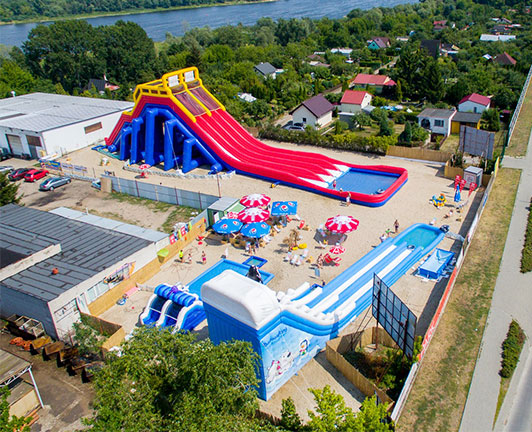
(433, 267)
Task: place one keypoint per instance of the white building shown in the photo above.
(354, 101)
(437, 121)
(316, 112)
(475, 103)
(41, 124)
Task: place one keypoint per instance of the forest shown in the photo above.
(18, 10)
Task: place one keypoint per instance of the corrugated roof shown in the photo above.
(38, 112)
(265, 68)
(437, 113)
(85, 251)
(134, 230)
(467, 117)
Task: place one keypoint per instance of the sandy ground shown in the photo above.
(410, 205)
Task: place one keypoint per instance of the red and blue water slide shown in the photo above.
(176, 121)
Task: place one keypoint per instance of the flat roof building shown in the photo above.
(40, 124)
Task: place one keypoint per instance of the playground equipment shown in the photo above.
(288, 329)
(438, 201)
(178, 122)
(171, 306)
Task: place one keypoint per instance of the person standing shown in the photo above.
(348, 199)
(396, 226)
(203, 258)
(334, 184)
(181, 255)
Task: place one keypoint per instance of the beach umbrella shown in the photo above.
(341, 224)
(144, 167)
(253, 214)
(255, 200)
(284, 208)
(231, 215)
(227, 226)
(255, 229)
(337, 250)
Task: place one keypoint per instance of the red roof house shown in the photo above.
(376, 81)
(354, 100)
(505, 59)
(474, 103)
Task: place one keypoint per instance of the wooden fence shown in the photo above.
(335, 349)
(418, 153)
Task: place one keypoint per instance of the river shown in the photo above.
(157, 24)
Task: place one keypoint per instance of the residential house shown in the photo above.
(319, 64)
(439, 25)
(487, 57)
(470, 119)
(449, 50)
(402, 39)
(346, 52)
(505, 59)
(500, 29)
(432, 46)
(379, 43)
(246, 97)
(354, 101)
(438, 121)
(100, 85)
(266, 70)
(496, 38)
(474, 103)
(316, 111)
(378, 82)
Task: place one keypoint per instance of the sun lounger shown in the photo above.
(321, 245)
(299, 261)
(276, 228)
(294, 259)
(330, 260)
(301, 224)
(288, 256)
(305, 253)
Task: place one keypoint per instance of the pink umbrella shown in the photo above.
(337, 250)
(255, 200)
(253, 214)
(341, 224)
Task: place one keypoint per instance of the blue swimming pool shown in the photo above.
(422, 236)
(365, 181)
(195, 286)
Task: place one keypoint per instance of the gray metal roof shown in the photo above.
(134, 230)
(39, 112)
(222, 204)
(265, 68)
(467, 117)
(85, 251)
(437, 113)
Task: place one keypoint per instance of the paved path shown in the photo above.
(512, 299)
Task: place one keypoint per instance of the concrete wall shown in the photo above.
(73, 137)
(15, 302)
(20, 133)
(469, 106)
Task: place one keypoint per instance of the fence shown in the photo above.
(418, 153)
(517, 111)
(443, 301)
(170, 195)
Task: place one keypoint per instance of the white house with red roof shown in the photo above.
(316, 111)
(354, 101)
(474, 103)
(378, 82)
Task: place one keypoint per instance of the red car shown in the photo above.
(35, 174)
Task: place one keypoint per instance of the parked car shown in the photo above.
(6, 169)
(35, 174)
(53, 183)
(294, 126)
(5, 154)
(18, 174)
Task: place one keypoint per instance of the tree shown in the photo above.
(361, 119)
(164, 381)
(8, 191)
(432, 82)
(399, 91)
(491, 117)
(385, 128)
(14, 78)
(371, 417)
(406, 135)
(10, 423)
(290, 419)
(331, 413)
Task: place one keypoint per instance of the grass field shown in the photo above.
(438, 397)
(519, 142)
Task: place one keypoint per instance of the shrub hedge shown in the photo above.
(346, 141)
(526, 257)
(511, 349)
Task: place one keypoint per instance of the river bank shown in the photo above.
(129, 12)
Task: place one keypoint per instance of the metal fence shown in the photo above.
(161, 193)
(517, 110)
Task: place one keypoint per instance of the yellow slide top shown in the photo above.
(172, 84)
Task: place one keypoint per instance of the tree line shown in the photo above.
(16, 10)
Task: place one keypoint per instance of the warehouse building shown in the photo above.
(40, 124)
(54, 265)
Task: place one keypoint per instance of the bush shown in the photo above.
(511, 349)
(346, 141)
(526, 257)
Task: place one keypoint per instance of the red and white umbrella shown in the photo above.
(231, 215)
(341, 224)
(255, 200)
(337, 250)
(253, 214)
(144, 167)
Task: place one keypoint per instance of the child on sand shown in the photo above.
(203, 258)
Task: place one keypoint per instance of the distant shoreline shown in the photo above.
(128, 12)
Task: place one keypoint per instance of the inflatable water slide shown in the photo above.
(288, 329)
(176, 121)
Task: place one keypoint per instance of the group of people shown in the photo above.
(388, 232)
(188, 260)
